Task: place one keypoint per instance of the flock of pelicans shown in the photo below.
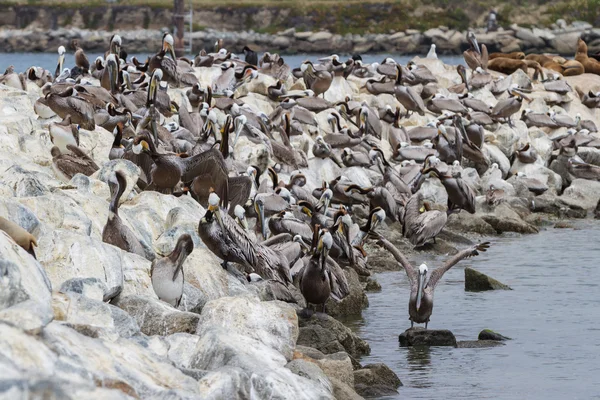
(296, 240)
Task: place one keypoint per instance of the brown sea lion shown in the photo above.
(23, 238)
(590, 65)
(516, 55)
(509, 65)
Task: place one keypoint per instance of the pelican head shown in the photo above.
(168, 45)
(115, 45)
(157, 76)
(473, 41)
(323, 247)
(325, 199)
(239, 122)
(213, 207)
(377, 217)
(240, 215)
(139, 147)
(421, 284)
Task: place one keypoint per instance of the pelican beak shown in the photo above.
(167, 47)
(420, 289)
(306, 211)
(362, 121)
(475, 45)
(238, 130)
(324, 203)
(152, 89)
(244, 223)
(422, 209)
(138, 148)
(261, 217)
(217, 213)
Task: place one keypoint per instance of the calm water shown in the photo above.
(552, 314)
(22, 61)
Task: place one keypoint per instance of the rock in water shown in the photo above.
(488, 334)
(330, 336)
(425, 337)
(475, 281)
(376, 380)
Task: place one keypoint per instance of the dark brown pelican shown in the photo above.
(506, 108)
(421, 224)
(21, 237)
(68, 103)
(475, 57)
(115, 232)
(316, 80)
(407, 96)
(81, 59)
(76, 161)
(316, 280)
(460, 194)
(230, 242)
(167, 273)
(423, 282)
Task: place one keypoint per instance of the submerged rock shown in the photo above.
(478, 344)
(488, 334)
(419, 336)
(475, 281)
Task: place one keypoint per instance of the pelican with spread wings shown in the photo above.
(423, 282)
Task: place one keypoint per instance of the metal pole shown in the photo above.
(179, 29)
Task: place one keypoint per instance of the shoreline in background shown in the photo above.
(560, 41)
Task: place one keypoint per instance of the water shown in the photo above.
(552, 314)
(22, 61)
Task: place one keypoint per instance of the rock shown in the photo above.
(354, 303)
(529, 38)
(565, 43)
(179, 345)
(339, 366)
(465, 222)
(156, 317)
(92, 288)
(504, 219)
(318, 36)
(330, 336)
(478, 344)
(563, 225)
(343, 391)
(272, 323)
(218, 348)
(488, 334)
(582, 193)
(475, 281)
(376, 380)
(372, 285)
(91, 317)
(418, 336)
(309, 370)
(126, 167)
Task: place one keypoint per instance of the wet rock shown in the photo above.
(376, 380)
(372, 285)
(488, 334)
(330, 336)
(339, 366)
(475, 281)
(478, 344)
(354, 303)
(156, 317)
(504, 219)
(564, 225)
(419, 336)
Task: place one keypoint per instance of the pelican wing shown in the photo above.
(411, 273)
(210, 163)
(337, 280)
(277, 239)
(428, 226)
(461, 255)
(239, 188)
(83, 156)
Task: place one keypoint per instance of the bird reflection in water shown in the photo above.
(419, 364)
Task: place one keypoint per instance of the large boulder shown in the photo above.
(475, 281)
(376, 379)
(156, 317)
(330, 336)
(354, 303)
(582, 193)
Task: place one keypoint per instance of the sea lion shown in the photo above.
(23, 238)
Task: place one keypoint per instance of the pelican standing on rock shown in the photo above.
(167, 273)
(423, 283)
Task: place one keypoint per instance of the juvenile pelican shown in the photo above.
(423, 283)
(167, 273)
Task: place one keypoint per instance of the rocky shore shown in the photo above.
(228, 339)
(560, 39)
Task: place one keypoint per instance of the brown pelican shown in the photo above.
(407, 96)
(81, 59)
(421, 224)
(115, 232)
(316, 280)
(475, 56)
(460, 194)
(61, 61)
(423, 282)
(64, 133)
(316, 80)
(76, 161)
(170, 169)
(167, 273)
(507, 107)
(68, 103)
(110, 74)
(12, 79)
(21, 237)
(230, 242)
(527, 154)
